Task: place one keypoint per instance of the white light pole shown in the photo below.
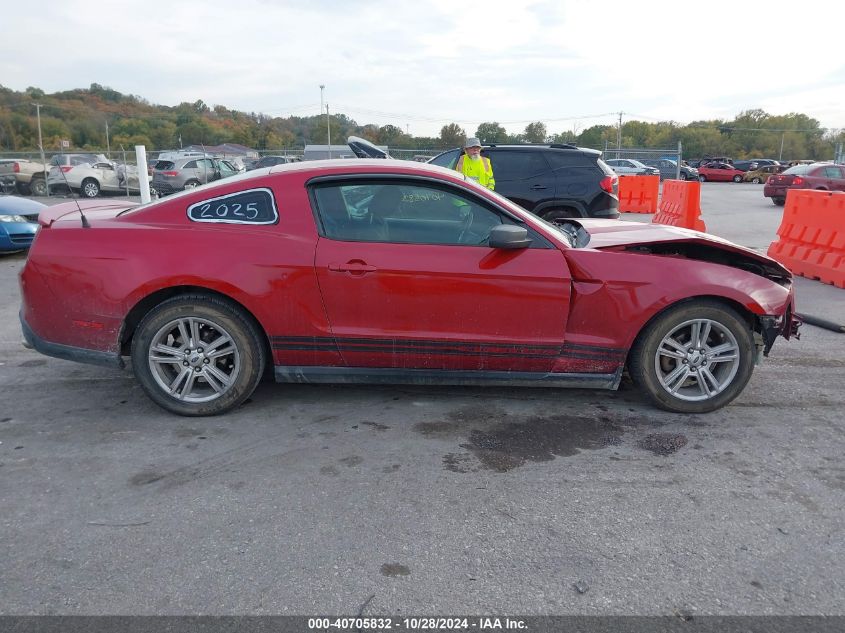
(325, 108)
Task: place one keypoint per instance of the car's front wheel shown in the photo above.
(197, 355)
(693, 358)
(90, 188)
(702, 178)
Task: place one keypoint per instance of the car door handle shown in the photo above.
(537, 187)
(356, 266)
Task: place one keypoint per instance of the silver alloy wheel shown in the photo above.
(194, 360)
(90, 189)
(697, 360)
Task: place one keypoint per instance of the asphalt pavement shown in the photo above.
(318, 500)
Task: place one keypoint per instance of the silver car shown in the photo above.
(170, 176)
(631, 167)
(91, 174)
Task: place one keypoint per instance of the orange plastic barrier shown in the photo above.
(679, 205)
(811, 237)
(638, 194)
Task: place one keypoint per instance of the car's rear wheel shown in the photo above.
(694, 358)
(197, 355)
(737, 178)
(90, 188)
(560, 213)
(778, 201)
(38, 187)
(755, 180)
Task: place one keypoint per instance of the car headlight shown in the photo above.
(12, 218)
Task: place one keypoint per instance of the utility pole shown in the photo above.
(329, 129)
(108, 147)
(781, 145)
(41, 145)
(619, 135)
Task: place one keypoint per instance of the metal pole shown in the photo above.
(41, 146)
(329, 129)
(678, 166)
(108, 147)
(781, 146)
(619, 136)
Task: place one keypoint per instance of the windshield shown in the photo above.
(798, 170)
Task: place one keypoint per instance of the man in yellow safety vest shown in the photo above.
(473, 165)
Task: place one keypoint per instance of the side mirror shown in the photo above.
(508, 236)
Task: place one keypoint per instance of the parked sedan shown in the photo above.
(762, 173)
(720, 172)
(91, 179)
(669, 169)
(631, 167)
(823, 176)
(170, 176)
(388, 271)
(18, 223)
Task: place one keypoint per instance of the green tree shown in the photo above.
(491, 133)
(452, 135)
(535, 132)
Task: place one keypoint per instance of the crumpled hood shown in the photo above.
(616, 233)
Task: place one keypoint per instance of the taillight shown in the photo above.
(66, 168)
(607, 183)
(16, 168)
(798, 180)
(169, 173)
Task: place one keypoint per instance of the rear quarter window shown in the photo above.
(519, 165)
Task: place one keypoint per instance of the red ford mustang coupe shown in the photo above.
(384, 271)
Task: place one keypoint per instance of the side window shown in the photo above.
(402, 213)
(447, 159)
(832, 172)
(519, 165)
(559, 160)
(190, 165)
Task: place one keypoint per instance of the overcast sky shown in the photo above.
(419, 65)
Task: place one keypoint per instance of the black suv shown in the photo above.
(552, 181)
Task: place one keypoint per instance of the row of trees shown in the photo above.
(98, 116)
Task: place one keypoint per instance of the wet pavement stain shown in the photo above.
(146, 477)
(331, 471)
(391, 469)
(392, 570)
(352, 460)
(510, 445)
(663, 443)
(376, 426)
(32, 363)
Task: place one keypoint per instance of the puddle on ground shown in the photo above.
(393, 570)
(509, 445)
(663, 443)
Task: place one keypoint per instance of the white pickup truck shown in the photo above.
(26, 176)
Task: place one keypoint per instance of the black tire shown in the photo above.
(702, 178)
(755, 180)
(192, 184)
(38, 187)
(779, 202)
(682, 176)
(559, 213)
(90, 188)
(692, 376)
(737, 178)
(200, 380)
